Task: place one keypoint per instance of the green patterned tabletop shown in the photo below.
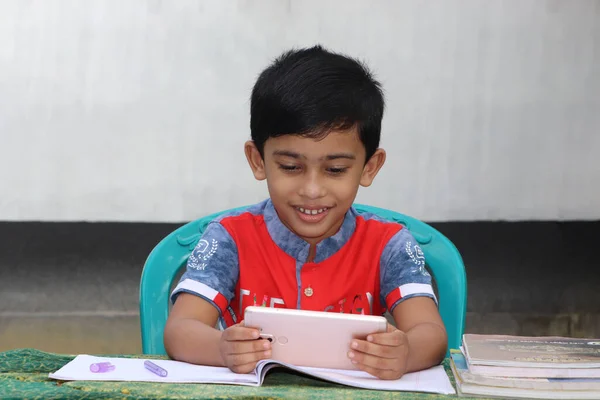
(24, 374)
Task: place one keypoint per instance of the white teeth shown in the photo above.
(311, 212)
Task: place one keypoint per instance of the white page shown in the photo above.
(132, 369)
(432, 380)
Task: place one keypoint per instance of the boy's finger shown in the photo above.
(248, 346)
(375, 349)
(247, 358)
(243, 369)
(393, 338)
(373, 361)
(240, 333)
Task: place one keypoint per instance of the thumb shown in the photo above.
(238, 325)
(242, 324)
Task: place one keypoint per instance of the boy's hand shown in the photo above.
(384, 355)
(241, 350)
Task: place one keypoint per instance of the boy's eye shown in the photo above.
(289, 167)
(337, 171)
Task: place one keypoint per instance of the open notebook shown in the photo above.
(433, 380)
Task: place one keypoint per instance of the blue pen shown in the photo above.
(150, 366)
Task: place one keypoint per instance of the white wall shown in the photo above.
(138, 110)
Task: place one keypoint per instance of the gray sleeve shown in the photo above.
(212, 268)
(403, 274)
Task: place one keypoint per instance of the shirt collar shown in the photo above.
(298, 248)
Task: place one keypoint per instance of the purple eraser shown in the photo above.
(102, 367)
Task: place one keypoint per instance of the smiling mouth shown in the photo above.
(312, 212)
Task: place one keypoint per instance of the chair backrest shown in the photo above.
(170, 256)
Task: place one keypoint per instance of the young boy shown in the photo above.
(315, 127)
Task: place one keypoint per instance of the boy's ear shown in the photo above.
(255, 160)
(372, 167)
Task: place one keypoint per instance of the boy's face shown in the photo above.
(312, 183)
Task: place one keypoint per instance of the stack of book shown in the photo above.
(527, 367)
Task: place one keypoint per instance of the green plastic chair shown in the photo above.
(170, 256)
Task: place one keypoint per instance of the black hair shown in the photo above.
(310, 92)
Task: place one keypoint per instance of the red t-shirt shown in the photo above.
(249, 257)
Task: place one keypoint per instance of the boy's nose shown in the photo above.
(312, 188)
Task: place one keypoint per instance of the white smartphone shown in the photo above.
(312, 338)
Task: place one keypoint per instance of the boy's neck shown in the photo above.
(312, 252)
(313, 242)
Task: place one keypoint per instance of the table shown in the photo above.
(24, 374)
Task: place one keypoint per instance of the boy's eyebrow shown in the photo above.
(335, 156)
(287, 153)
(329, 157)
